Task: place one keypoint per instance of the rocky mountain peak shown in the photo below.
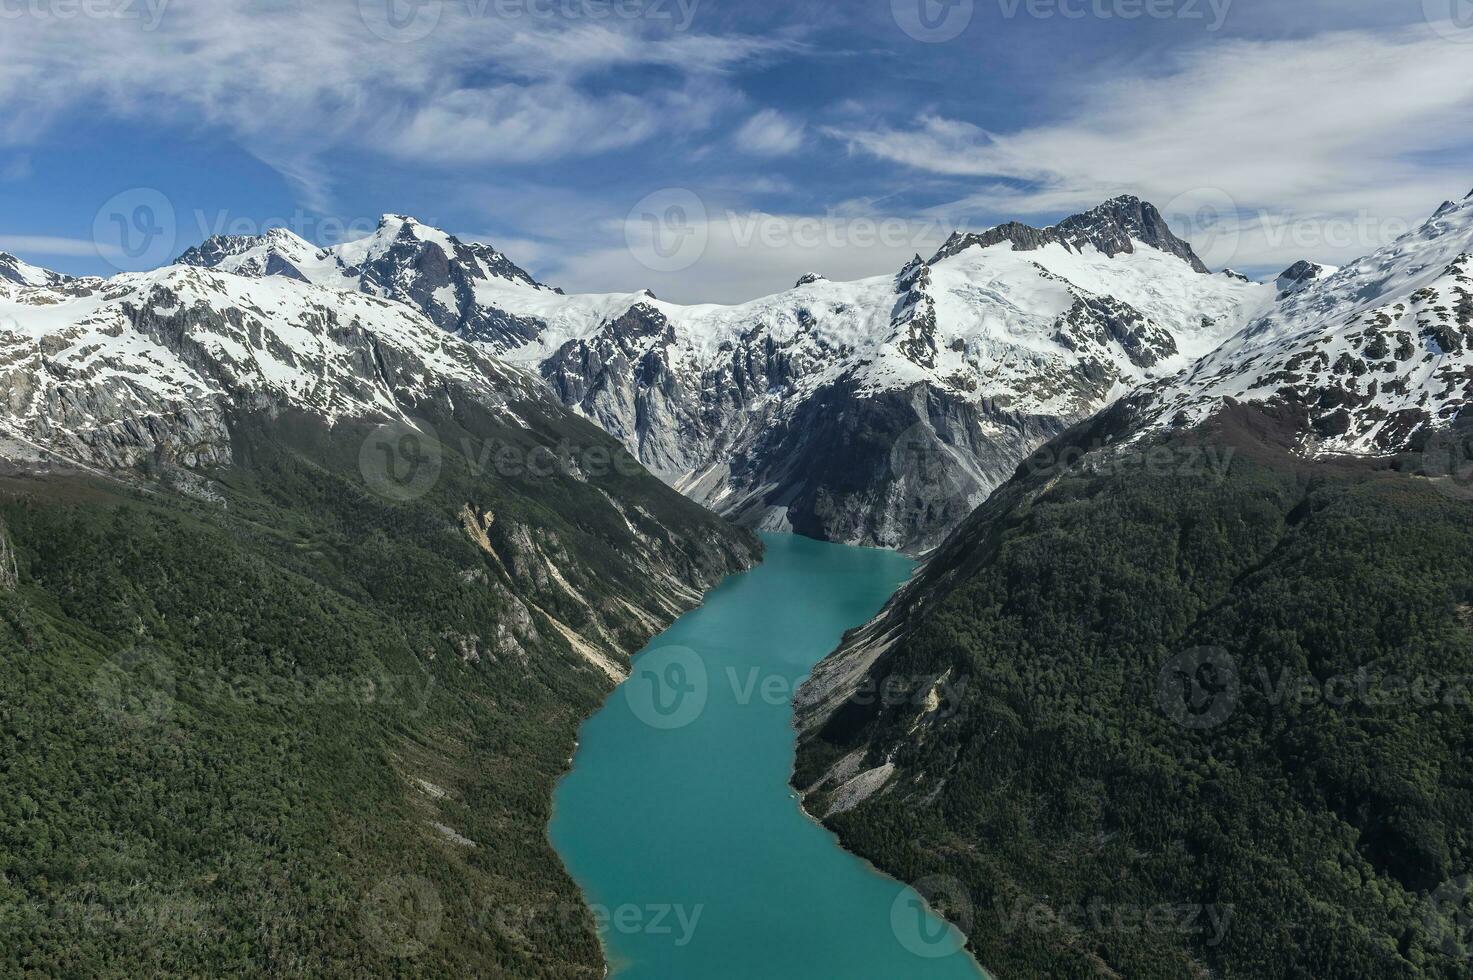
(21, 273)
(1297, 276)
(914, 273)
(1116, 225)
(1113, 228)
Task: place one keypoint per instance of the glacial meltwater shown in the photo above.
(678, 821)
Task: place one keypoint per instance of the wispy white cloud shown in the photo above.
(731, 255)
(770, 133)
(1363, 132)
(292, 81)
(50, 245)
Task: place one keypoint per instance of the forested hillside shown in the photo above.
(1206, 711)
(275, 723)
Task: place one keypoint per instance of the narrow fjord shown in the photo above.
(678, 820)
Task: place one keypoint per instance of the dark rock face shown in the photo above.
(1103, 319)
(1297, 276)
(1112, 228)
(894, 470)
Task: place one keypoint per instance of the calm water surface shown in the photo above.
(677, 819)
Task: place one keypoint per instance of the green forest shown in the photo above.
(241, 733)
(1215, 721)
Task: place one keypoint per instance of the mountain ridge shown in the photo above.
(980, 353)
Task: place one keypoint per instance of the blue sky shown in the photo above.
(837, 137)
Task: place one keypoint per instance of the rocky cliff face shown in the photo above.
(876, 412)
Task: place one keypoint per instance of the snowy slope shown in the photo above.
(111, 372)
(1371, 356)
(14, 271)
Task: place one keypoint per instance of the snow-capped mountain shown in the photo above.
(876, 412)
(1368, 359)
(149, 365)
(402, 260)
(13, 270)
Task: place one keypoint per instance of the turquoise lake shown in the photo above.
(677, 819)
